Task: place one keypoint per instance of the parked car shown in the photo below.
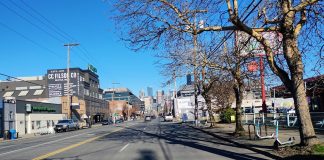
(248, 110)
(168, 117)
(147, 118)
(121, 120)
(66, 125)
(270, 110)
(106, 122)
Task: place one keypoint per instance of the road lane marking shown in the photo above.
(73, 146)
(40, 144)
(124, 147)
(6, 147)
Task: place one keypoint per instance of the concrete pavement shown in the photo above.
(264, 146)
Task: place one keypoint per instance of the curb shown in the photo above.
(240, 144)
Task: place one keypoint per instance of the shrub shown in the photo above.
(226, 115)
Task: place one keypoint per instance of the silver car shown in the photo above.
(66, 125)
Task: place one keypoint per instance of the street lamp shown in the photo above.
(69, 45)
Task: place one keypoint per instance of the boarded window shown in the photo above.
(8, 94)
(38, 92)
(23, 93)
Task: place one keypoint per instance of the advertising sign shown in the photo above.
(250, 46)
(57, 82)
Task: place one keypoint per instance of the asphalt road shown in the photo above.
(133, 140)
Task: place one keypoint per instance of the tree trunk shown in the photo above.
(210, 112)
(238, 89)
(297, 89)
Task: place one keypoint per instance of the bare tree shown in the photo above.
(289, 19)
(160, 23)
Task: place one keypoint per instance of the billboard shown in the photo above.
(57, 82)
(250, 46)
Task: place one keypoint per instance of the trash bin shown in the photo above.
(6, 134)
(12, 134)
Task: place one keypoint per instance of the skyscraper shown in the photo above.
(141, 94)
(189, 82)
(150, 91)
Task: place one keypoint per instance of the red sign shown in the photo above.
(253, 66)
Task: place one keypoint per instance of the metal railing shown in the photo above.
(284, 119)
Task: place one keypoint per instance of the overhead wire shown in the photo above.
(81, 48)
(30, 40)
(59, 39)
(21, 79)
(231, 33)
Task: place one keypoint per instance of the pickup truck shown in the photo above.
(66, 125)
(168, 118)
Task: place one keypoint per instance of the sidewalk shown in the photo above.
(264, 146)
(32, 135)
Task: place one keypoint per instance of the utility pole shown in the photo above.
(69, 45)
(195, 43)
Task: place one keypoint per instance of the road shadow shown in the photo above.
(146, 154)
(174, 134)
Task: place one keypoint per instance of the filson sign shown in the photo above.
(92, 68)
(42, 109)
(57, 82)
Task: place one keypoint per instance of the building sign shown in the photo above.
(42, 109)
(250, 46)
(92, 68)
(28, 108)
(57, 82)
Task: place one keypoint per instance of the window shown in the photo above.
(21, 88)
(48, 123)
(23, 93)
(8, 94)
(35, 87)
(33, 124)
(38, 92)
(38, 124)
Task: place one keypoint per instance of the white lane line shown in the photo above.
(42, 144)
(6, 147)
(124, 147)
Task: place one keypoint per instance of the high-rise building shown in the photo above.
(159, 96)
(141, 94)
(189, 81)
(150, 91)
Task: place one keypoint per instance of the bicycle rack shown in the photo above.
(262, 137)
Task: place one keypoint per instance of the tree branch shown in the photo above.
(304, 4)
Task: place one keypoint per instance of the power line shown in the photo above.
(47, 24)
(22, 80)
(28, 21)
(38, 19)
(65, 35)
(39, 27)
(231, 33)
(30, 40)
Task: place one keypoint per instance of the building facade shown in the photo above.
(28, 117)
(124, 94)
(86, 98)
(84, 86)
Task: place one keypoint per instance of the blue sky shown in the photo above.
(29, 48)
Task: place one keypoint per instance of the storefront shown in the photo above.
(29, 117)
